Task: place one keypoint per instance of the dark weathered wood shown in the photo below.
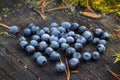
(13, 59)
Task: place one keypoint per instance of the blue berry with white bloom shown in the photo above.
(62, 40)
(55, 55)
(95, 55)
(66, 25)
(88, 35)
(71, 33)
(48, 51)
(98, 32)
(54, 45)
(42, 45)
(37, 54)
(30, 25)
(74, 26)
(54, 24)
(62, 29)
(40, 32)
(23, 44)
(34, 43)
(34, 29)
(30, 48)
(81, 40)
(77, 55)
(95, 40)
(102, 41)
(27, 32)
(22, 38)
(14, 30)
(73, 63)
(35, 37)
(101, 48)
(70, 51)
(64, 46)
(53, 38)
(45, 37)
(55, 32)
(70, 40)
(78, 46)
(41, 60)
(82, 29)
(46, 29)
(106, 36)
(86, 56)
(60, 67)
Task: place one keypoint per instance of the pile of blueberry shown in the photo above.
(66, 38)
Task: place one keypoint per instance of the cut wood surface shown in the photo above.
(16, 65)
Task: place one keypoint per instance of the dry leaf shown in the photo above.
(91, 15)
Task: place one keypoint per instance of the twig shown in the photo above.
(86, 78)
(117, 76)
(68, 70)
(88, 6)
(74, 71)
(42, 15)
(58, 8)
(4, 25)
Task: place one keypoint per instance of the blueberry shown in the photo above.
(64, 35)
(102, 41)
(34, 43)
(62, 29)
(77, 55)
(77, 36)
(105, 36)
(82, 29)
(30, 25)
(98, 32)
(55, 33)
(64, 46)
(40, 32)
(37, 54)
(27, 32)
(42, 45)
(70, 40)
(60, 67)
(22, 38)
(70, 51)
(86, 56)
(55, 55)
(54, 24)
(54, 45)
(46, 29)
(23, 44)
(81, 40)
(53, 28)
(62, 40)
(53, 38)
(96, 40)
(101, 48)
(95, 55)
(66, 25)
(74, 26)
(34, 29)
(45, 37)
(73, 63)
(41, 60)
(78, 46)
(48, 51)
(88, 35)
(14, 30)
(71, 33)
(35, 37)
(30, 48)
